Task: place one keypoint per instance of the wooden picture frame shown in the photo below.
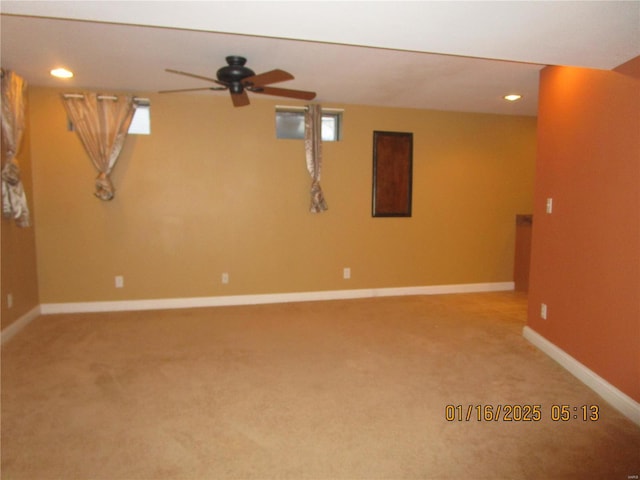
(392, 174)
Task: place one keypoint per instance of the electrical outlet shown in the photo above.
(549, 205)
(10, 300)
(346, 273)
(225, 278)
(543, 311)
(119, 281)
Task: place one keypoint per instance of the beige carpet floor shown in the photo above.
(354, 389)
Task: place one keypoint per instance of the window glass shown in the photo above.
(331, 127)
(290, 125)
(141, 123)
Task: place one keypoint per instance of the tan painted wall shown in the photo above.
(212, 190)
(586, 254)
(19, 274)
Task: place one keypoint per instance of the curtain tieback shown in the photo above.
(104, 187)
(318, 203)
(11, 173)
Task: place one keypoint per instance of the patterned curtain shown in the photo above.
(101, 122)
(313, 150)
(14, 200)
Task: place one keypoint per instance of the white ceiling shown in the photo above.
(446, 55)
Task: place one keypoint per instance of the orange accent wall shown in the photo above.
(630, 68)
(586, 254)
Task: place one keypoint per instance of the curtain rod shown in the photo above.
(104, 97)
(304, 109)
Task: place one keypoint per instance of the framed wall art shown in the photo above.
(392, 174)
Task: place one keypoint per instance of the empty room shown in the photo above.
(320, 240)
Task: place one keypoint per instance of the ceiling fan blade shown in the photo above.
(191, 89)
(240, 99)
(191, 75)
(272, 76)
(285, 92)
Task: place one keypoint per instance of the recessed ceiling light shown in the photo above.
(513, 97)
(61, 73)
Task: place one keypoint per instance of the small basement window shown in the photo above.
(141, 122)
(290, 124)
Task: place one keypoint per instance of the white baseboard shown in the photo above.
(229, 300)
(8, 333)
(619, 400)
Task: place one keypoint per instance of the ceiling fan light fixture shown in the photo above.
(235, 87)
(513, 97)
(61, 73)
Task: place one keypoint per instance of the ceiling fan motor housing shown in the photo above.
(234, 73)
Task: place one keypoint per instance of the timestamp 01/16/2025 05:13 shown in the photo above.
(520, 413)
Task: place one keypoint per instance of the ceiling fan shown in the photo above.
(239, 79)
